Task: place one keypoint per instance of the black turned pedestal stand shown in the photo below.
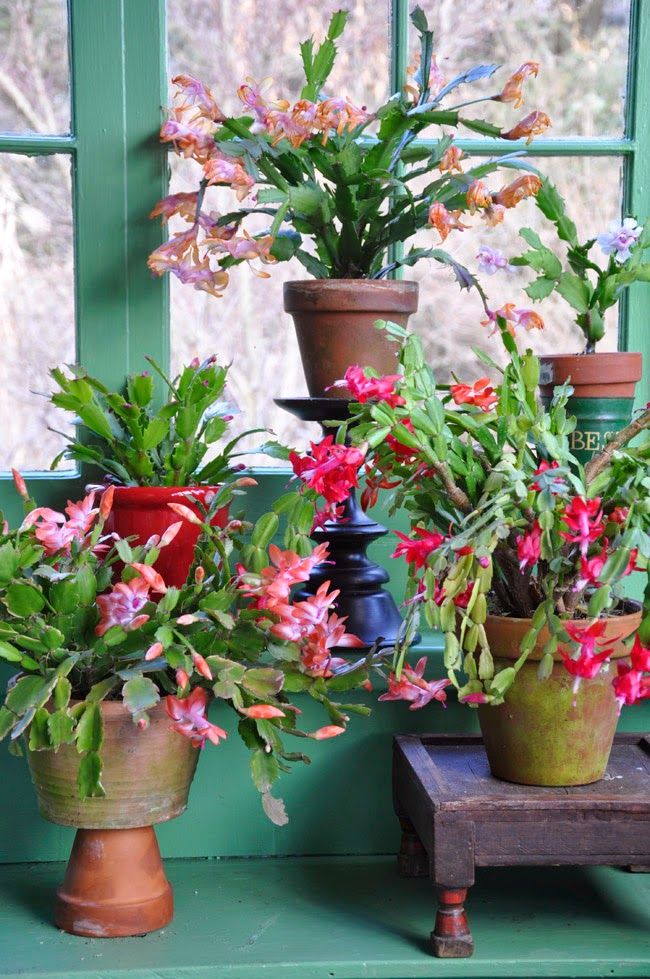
(371, 611)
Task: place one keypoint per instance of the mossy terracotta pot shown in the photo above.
(334, 321)
(603, 394)
(142, 511)
(555, 732)
(115, 884)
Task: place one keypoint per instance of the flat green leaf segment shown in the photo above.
(281, 934)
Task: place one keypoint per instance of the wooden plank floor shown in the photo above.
(339, 918)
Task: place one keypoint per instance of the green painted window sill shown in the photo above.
(339, 918)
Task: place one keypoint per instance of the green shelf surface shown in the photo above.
(339, 918)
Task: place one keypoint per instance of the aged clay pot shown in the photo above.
(115, 884)
(603, 395)
(142, 511)
(551, 732)
(334, 321)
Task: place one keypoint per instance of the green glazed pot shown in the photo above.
(551, 732)
(603, 398)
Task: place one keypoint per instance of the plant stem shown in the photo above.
(602, 460)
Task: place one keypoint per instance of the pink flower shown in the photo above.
(229, 170)
(106, 502)
(474, 698)
(20, 484)
(154, 651)
(201, 666)
(122, 606)
(56, 532)
(152, 578)
(272, 586)
(329, 731)
(413, 688)
(640, 656)
(364, 388)
(262, 711)
(630, 686)
(588, 662)
(189, 714)
(316, 655)
(331, 470)
(417, 551)
(186, 513)
(584, 519)
(529, 547)
(182, 679)
(481, 394)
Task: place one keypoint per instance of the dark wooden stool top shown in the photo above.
(456, 816)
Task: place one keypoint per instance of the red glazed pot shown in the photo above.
(142, 511)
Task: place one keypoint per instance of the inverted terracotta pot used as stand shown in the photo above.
(558, 731)
(115, 883)
(334, 321)
(603, 394)
(142, 511)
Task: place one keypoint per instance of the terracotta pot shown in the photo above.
(555, 731)
(334, 321)
(115, 884)
(141, 511)
(603, 396)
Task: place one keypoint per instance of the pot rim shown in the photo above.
(350, 295)
(142, 495)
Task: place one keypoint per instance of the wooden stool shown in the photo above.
(456, 816)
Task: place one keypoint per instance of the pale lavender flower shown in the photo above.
(491, 260)
(620, 239)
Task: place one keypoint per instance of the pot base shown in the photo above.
(115, 885)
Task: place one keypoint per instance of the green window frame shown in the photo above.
(118, 76)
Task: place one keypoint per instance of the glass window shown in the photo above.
(34, 70)
(37, 327)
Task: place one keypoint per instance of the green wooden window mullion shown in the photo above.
(399, 59)
(635, 331)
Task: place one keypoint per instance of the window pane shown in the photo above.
(581, 46)
(449, 319)
(36, 304)
(224, 42)
(34, 80)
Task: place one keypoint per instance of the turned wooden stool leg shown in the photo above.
(451, 937)
(412, 859)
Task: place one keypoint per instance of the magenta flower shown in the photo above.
(588, 662)
(529, 547)
(417, 551)
(412, 687)
(331, 470)
(189, 715)
(364, 388)
(584, 519)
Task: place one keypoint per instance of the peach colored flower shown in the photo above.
(153, 652)
(340, 115)
(512, 90)
(444, 221)
(527, 185)
(201, 666)
(295, 124)
(329, 731)
(450, 160)
(153, 579)
(478, 196)
(493, 215)
(189, 715)
(183, 205)
(193, 140)
(106, 502)
(229, 170)
(436, 77)
(197, 96)
(531, 125)
(262, 711)
(167, 257)
(20, 484)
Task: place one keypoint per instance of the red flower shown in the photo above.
(529, 547)
(640, 656)
(481, 394)
(413, 688)
(619, 514)
(189, 715)
(365, 388)
(417, 551)
(630, 686)
(407, 452)
(589, 661)
(585, 519)
(591, 569)
(332, 470)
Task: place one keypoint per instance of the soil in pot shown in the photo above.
(334, 321)
(115, 884)
(142, 511)
(553, 732)
(603, 395)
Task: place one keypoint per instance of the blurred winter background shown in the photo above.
(582, 49)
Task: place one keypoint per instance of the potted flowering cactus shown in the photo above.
(155, 451)
(603, 383)
(334, 182)
(520, 555)
(116, 670)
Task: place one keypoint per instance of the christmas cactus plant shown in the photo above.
(505, 521)
(86, 618)
(338, 184)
